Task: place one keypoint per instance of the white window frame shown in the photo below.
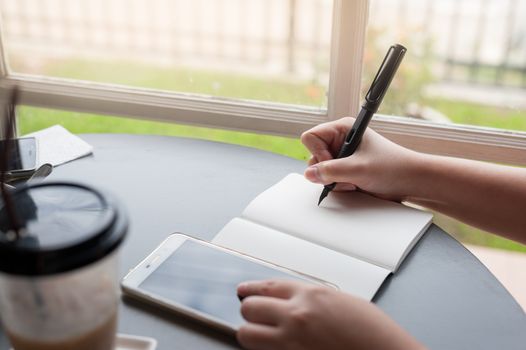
(347, 45)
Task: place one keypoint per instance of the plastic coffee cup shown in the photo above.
(59, 275)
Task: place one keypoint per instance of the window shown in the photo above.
(270, 66)
(256, 65)
(465, 67)
(276, 51)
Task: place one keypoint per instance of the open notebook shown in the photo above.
(351, 240)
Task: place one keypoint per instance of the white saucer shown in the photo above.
(133, 342)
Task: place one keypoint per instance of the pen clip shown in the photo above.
(383, 77)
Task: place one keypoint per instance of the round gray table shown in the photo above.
(441, 294)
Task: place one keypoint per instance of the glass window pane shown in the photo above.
(266, 50)
(466, 60)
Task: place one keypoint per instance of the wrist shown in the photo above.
(418, 177)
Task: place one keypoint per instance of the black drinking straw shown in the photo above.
(9, 126)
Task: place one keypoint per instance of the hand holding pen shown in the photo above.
(373, 99)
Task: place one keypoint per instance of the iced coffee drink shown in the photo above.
(59, 276)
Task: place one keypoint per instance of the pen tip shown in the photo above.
(324, 194)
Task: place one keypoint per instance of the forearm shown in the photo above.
(487, 196)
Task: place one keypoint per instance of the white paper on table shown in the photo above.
(56, 146)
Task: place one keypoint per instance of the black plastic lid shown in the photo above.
(66, 226)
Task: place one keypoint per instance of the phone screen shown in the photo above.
(205, 279)
(22, 154)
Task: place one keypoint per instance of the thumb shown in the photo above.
(335, 170)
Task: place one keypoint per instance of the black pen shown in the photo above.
(373, 99)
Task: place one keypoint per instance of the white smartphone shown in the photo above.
(199, 279)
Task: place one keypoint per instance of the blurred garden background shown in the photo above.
(466, 62)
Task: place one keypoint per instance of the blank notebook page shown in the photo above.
(352, 223)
